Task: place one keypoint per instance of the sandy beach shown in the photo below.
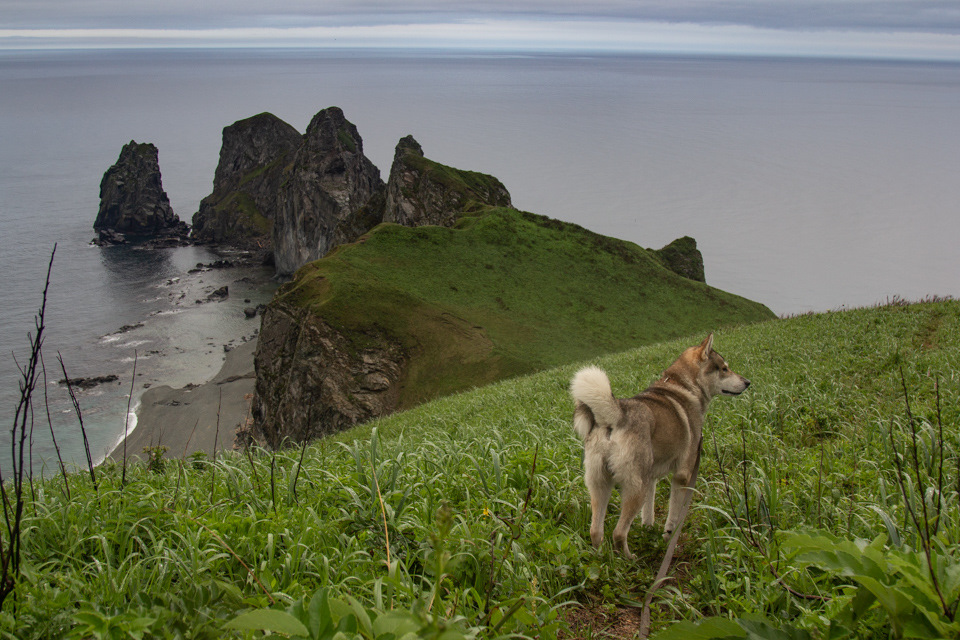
(186, 420)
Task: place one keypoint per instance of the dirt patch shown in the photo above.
(599, 621)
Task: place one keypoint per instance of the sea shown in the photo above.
(809, 185)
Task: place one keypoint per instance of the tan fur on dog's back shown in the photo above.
(591, 387)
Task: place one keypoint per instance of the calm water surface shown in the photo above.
(809, 185)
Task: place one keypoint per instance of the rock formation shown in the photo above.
(682, 257)
(328, 181)
(132, 200)
(313, 380)
(421, 191)
(241, 209)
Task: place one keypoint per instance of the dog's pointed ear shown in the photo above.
(705, 347)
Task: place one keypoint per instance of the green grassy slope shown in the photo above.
(505, 293)
(487, 516)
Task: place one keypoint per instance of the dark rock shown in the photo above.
(133, 204)
(312, 380)
(220, 294)
(682, 257)
(251, 312)
(107, 237)
(128, 327)
(89, 383)
(329, 179)
(253, 157)
(421, 191)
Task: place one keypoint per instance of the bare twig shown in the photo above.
(296, 477)
(126, 420)
(21, 432)
(923, 528)
(383, 509)
(83, 431)
(53, 436)
(754, 541)
(216, 435)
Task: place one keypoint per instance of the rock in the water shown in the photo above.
(220, 294)
(241, 209)
(421, 191)
(329, 180)
(253, 312)
(89, 383)
(133, 203)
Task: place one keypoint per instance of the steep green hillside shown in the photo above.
(503, 293)
(468, 515)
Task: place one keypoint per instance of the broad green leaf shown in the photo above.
(760, 629)
(709, 629)
(363, 618)
(399, 623)
(268, 620)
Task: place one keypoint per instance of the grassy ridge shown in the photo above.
(505, 293)
(487, 516)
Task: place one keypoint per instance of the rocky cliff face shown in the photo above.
(329, 180)
(132, 199)
(313, 380)
(682, 257)
(241, 209)
(421, 191)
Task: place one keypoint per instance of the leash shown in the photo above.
(671, 547)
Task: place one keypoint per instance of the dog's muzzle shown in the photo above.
(746, 385)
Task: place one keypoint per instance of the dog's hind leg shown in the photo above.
(600, 484)
(634, 498)
(679, 488)
(646, 513)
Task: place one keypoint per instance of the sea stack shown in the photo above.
(133, 204)
(241, 209)
(329, 180)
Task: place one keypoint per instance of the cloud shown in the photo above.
(520, 35)
(922, 29)
(934, 16)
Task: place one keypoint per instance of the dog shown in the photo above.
(633, 442)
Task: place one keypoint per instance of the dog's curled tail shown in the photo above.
(590, 387)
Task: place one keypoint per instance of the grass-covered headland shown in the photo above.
(826, 509)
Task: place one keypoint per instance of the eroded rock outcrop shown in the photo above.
(313, 380)
(421, 191)
(133, 203)
(329, 180)
(682, 257)
(253, 157)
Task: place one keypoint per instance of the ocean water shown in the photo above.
(808, 184)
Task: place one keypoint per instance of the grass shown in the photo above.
(467, 516)
(504, 293)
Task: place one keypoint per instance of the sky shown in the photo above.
(905, 29)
